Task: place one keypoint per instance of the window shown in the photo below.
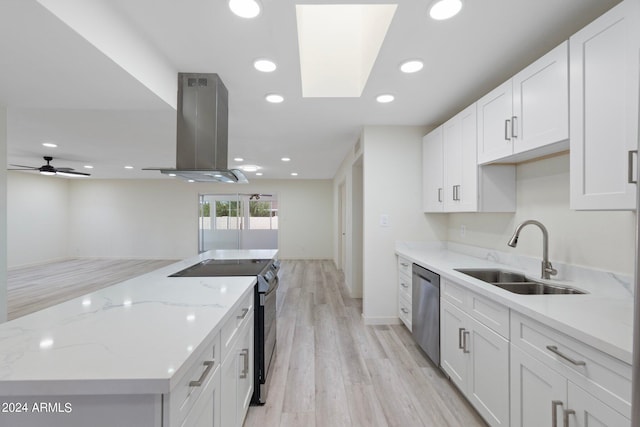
(263, 215)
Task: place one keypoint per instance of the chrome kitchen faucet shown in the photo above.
(547, 268)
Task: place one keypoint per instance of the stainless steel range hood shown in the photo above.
(202, 130)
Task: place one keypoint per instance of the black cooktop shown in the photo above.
(224, 267)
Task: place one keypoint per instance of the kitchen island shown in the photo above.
(139, 353)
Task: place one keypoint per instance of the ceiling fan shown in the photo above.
(50, 170)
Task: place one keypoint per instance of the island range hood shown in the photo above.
(203, 130)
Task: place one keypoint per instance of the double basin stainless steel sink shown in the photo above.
(517, 283)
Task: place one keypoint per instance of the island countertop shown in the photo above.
(135, 337)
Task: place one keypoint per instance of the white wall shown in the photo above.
(3, 215)
(158, 218)
(598, 239)
(392, 171)
(37, 209)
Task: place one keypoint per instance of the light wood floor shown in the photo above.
(332, 370)
(31, 289)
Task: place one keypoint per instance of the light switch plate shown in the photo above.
(384, 220)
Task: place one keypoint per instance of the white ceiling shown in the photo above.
(102, 96)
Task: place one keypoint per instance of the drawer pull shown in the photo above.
(404, 310)
(554, 412)
(567, 412)
(209, 365)
(244, 313)
(245, 355)
(554, 349)
(465, 335)
(404, 285)
(404, 264)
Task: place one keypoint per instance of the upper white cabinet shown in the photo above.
(527, 116)
(432, 172)
(604, 110)
(452, 180)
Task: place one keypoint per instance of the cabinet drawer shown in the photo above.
(404, 310)
(404, 267)
(601, 375)
(184, 395)
(455, 294)
(238, 318)
(404, 286)
(493, 315)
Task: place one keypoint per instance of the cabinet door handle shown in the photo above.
(244, 313)
(567, 412)
(404, 285)
(465, 335)
(554, 349)
(404, 264)
(554, 412)
(209, 366)
(244, 353)
(439, 194)
(506, 129)
(630, 178)
(514, 127)
(458, 192)
(404, 310)
(460, 332)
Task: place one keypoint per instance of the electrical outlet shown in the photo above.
(463, 230)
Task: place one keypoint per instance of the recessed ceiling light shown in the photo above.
(264, 65)
(49, 144)
(46, 343)
(411, 66)
(172, 174)
(249, 168)
(88, 167)
(285, 159)
(258, 173)
(444, 9)
(294, 173)
(274, 98)
(238, 159)
(128, 167)
(245, 8)
(385, 98)
(191, 180)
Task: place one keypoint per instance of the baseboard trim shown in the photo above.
(381, 320)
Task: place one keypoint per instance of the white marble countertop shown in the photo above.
(133, 337)
(603, 318)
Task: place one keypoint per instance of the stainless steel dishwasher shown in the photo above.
(425, 311)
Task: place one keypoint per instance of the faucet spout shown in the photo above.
(547, 268)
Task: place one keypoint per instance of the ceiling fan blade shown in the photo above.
(71, 173)
(23, 166)
(64, 169)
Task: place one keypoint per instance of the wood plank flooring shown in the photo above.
(33, 288)
(332, 370)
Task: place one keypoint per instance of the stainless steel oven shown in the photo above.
(265, 331)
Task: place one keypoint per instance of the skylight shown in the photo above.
(339, 44)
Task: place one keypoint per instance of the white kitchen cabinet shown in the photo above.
(461, 170)
(552, 373)
(604, 75)
(206, 410)
(528, 115)
(475, 357)
(452, 180)
(236, 376)
(404, 291)
(432, 172)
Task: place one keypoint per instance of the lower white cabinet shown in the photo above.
(557, 381)
(404, 291)
(237, 377)
(206, 410)
(541, 396)
(477, 360)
